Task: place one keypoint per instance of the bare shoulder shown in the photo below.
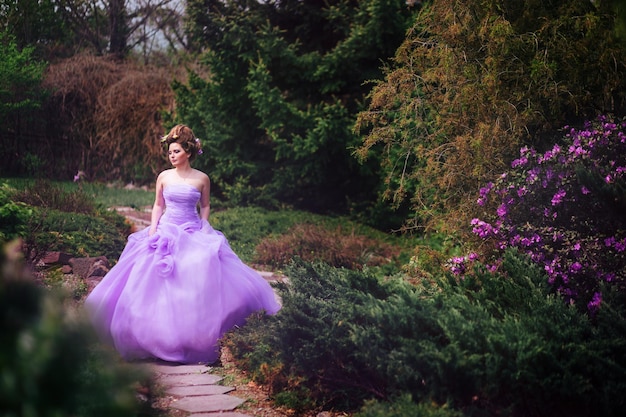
(201, 176)
(165, 175)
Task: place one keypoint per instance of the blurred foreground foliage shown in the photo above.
(50, 362)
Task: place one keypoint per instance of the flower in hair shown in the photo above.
(199, 146)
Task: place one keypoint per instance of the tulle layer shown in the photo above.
(172, 295)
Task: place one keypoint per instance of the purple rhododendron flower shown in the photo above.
(577, 151)
(519, 162)
(458, 265)
(483, 229)
(595, 302)
(533, 175)
(575, 267)
(486, 189)
(558, 197)
(483, 192)
(546, 209)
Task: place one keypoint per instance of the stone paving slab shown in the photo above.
(208, 403)
(172, 369)
(222, 414)
(189, 379)
(190, 391)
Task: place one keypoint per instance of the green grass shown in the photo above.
(244, 227)
(112, 196)
(104, 195)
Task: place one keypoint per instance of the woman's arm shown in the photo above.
(158, 207)
(205, 198)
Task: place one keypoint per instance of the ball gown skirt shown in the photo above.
(172, 295)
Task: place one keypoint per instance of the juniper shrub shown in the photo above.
(490, 344)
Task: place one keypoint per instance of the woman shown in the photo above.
(178, 286)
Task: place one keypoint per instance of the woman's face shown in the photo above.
(177, 155)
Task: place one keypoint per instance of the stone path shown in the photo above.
(139, 219)
(197, 391)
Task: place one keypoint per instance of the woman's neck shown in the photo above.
(183, 169)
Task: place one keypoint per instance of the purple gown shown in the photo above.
(172, 295)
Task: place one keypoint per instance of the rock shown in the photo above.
(66, 269)
(99, 268)
(55, 258)
(83, 267)
(91, 283)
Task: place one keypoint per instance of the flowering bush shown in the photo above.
(565, 208)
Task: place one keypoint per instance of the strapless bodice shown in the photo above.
(181, 203)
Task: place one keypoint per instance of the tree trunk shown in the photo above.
(118, 26)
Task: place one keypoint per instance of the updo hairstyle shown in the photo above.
(184, 136)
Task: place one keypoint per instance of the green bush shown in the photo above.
(404, 406)
(253, 232)
(49, 218)
(14, 218)
(81, 234)
(244, 227)
(474, 81)
(43, 193)
(97, 194)
(50, 360)
(513, 347)
(491, 344)
(315, 339)
(286, 81)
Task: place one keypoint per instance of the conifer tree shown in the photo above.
(286, 80)
(473, 82)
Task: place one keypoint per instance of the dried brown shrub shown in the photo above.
(106, 116)
(129, 122)
(336, 247)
